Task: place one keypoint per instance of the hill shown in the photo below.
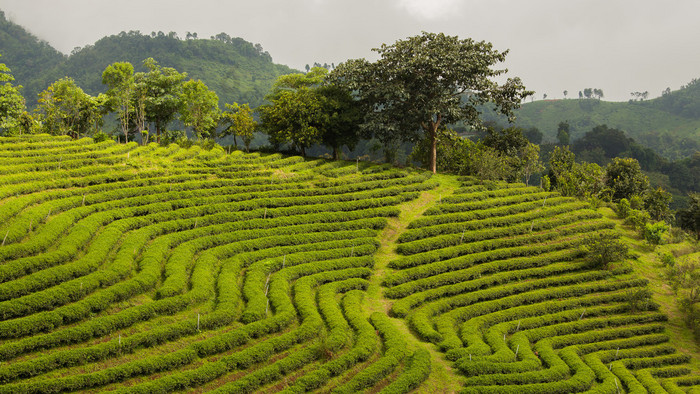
(156, 269)
(235, 69)
(669, 124)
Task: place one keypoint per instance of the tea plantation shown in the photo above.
(147, 269)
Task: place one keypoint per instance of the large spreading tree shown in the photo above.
(426, 82)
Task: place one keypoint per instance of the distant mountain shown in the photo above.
(26, 55)
(235, 69)
(669, 124)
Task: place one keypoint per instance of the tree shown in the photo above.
(64, 109)
(603, 249)
(304, 109)
(508, 141)
(598, 93)
(533, 134)
(689, 218)
(565, 93)
(200, 108)
(12, 103)
(163, 93)
(119, 77)
(342, 121)
(530, 161)
(295, 113)
(587, 92)
(656, 202)
(563, 133)
(560, 161)
(239, 121)
(426, 81)
(625, 178)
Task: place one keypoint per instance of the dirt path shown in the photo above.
(442, 378)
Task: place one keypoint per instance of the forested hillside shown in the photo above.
(237, 70)
(669, 124)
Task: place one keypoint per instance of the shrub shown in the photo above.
(603, 249)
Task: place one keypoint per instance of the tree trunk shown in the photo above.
(431, 130)
(336, 153)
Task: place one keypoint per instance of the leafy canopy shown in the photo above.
(423, 82)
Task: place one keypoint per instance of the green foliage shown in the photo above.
(64, 109)
(637, 218)
(119, 77)
(604, 249)
(652, 233)
(237, 70)
(689, 218)
(11, 103)
(200, 109)
(418, 83)
(305, 110)
(625, 178)
(623, 208)
(239, 121)
(163, 94)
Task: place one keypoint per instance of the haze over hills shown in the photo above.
(235, 69)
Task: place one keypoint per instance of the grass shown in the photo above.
(442, 379)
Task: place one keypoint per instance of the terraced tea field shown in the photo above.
(144, 269)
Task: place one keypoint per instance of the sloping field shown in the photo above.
(158, 269)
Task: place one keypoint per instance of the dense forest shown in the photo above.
(239, 71)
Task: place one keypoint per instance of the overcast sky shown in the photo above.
(619, 46)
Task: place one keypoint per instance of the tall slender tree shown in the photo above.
(119, 78)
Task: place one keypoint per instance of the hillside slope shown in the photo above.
(157, 269)
(669, 124)
(235, 69)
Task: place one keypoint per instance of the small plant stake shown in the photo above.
(265, 214)
(518, 327)
(283, 260)
(581, 317)
(470, 357)
(504, 337)
(462, 238)
(617, 352)
(198, 322)
(516, 351)
(120, 339)
(4, 239)
(83, 199)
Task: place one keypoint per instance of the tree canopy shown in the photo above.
(423, 82)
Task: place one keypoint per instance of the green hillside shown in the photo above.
(142, 269)
(235, 69)
(669, 124)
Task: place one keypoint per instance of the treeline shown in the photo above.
(405, 97)
(236, 69)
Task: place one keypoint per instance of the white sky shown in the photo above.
(619, 46)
